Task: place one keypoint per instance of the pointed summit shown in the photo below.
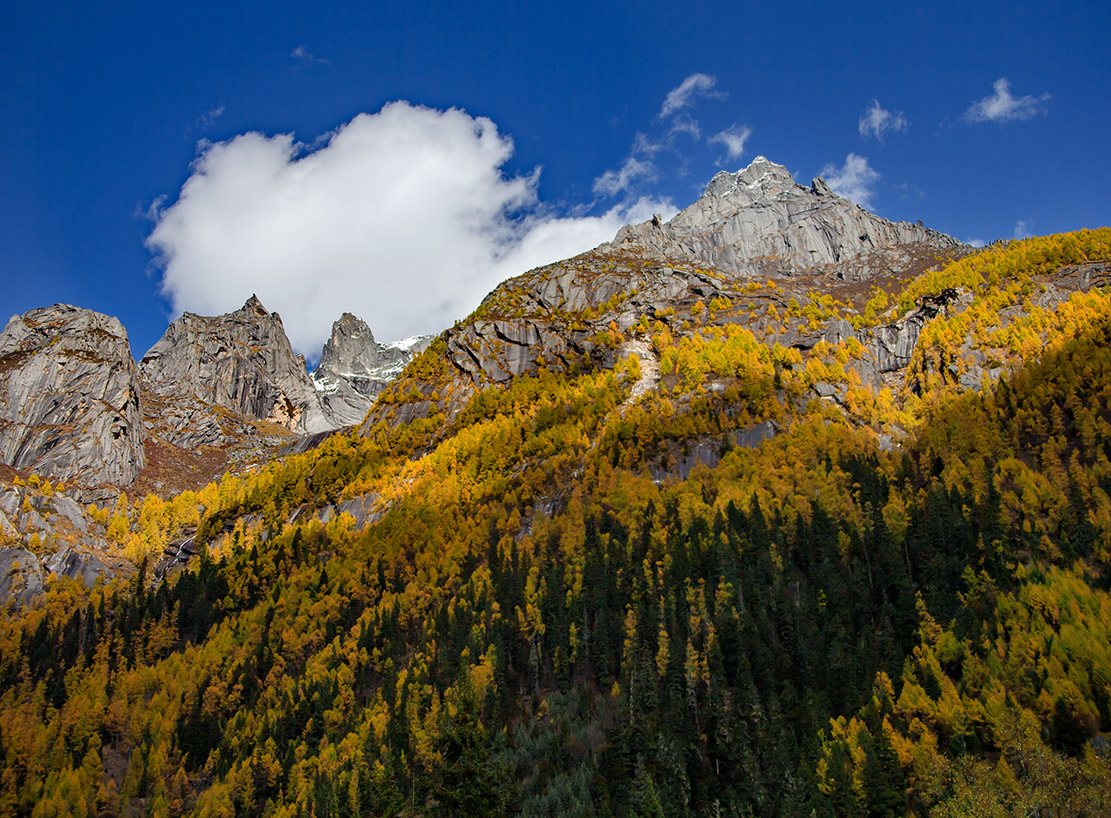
(352, 349)
(354, 368)
(253, 305)
(241, 361)
(758, 221)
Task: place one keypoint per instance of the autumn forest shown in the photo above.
(742, 592)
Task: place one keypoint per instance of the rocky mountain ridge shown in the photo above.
(213, 394)
(759, 221)
(230, 390)
(242, 362)
(354, 368)
(69, 397)
(75, 407)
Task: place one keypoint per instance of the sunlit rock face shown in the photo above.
(241, 361)
(69, 401)
(758, 221)
(354, 368)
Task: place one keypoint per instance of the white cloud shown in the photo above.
(733, 138)
(303, 55)
(403, 217)
(1022, 229)
(645, 146)
(877, 120)
(974, 242)
(687, 125)
(854, 180)
(621, 180)
(1002, 107)
(696, 85)
(206, 120)
(642, 163)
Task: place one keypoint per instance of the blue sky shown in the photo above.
(985, 120)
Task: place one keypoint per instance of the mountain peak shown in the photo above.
(254, 306)
(354, 368)
(351, 349)
(241, 361)
(760, 178)
(758, 221)
(69, 405)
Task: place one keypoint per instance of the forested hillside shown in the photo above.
(772, 583)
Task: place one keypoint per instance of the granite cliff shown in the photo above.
(241, 361)
(759, 221)
(354, 368)
(69, 401)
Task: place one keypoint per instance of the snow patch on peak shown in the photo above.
(407, 344)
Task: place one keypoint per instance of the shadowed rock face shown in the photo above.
(241, 361)
(758, 221)
(69, 403)
(354, 368)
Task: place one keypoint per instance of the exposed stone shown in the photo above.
(69, 402)
(21, 576)
(241, 361)
(752, 437)
(176, 554)
(354, 368)
(50, 534)
(88, 567)
(560, 309)
(758, 221)
(362, 508)
(7, 530)
(895, 343)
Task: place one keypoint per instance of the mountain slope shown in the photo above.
(547, 596)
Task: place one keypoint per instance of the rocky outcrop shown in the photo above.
(554, 314)
(21, 576)
(895, 343)
(758, 221)
(242, 362)
(354, 368)
(43, 534)
(69, 402)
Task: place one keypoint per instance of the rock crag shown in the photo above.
(759, 221)
(69, 401)
(354, 368)
(242, 362)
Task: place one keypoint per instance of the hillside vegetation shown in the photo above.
(729, 596)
